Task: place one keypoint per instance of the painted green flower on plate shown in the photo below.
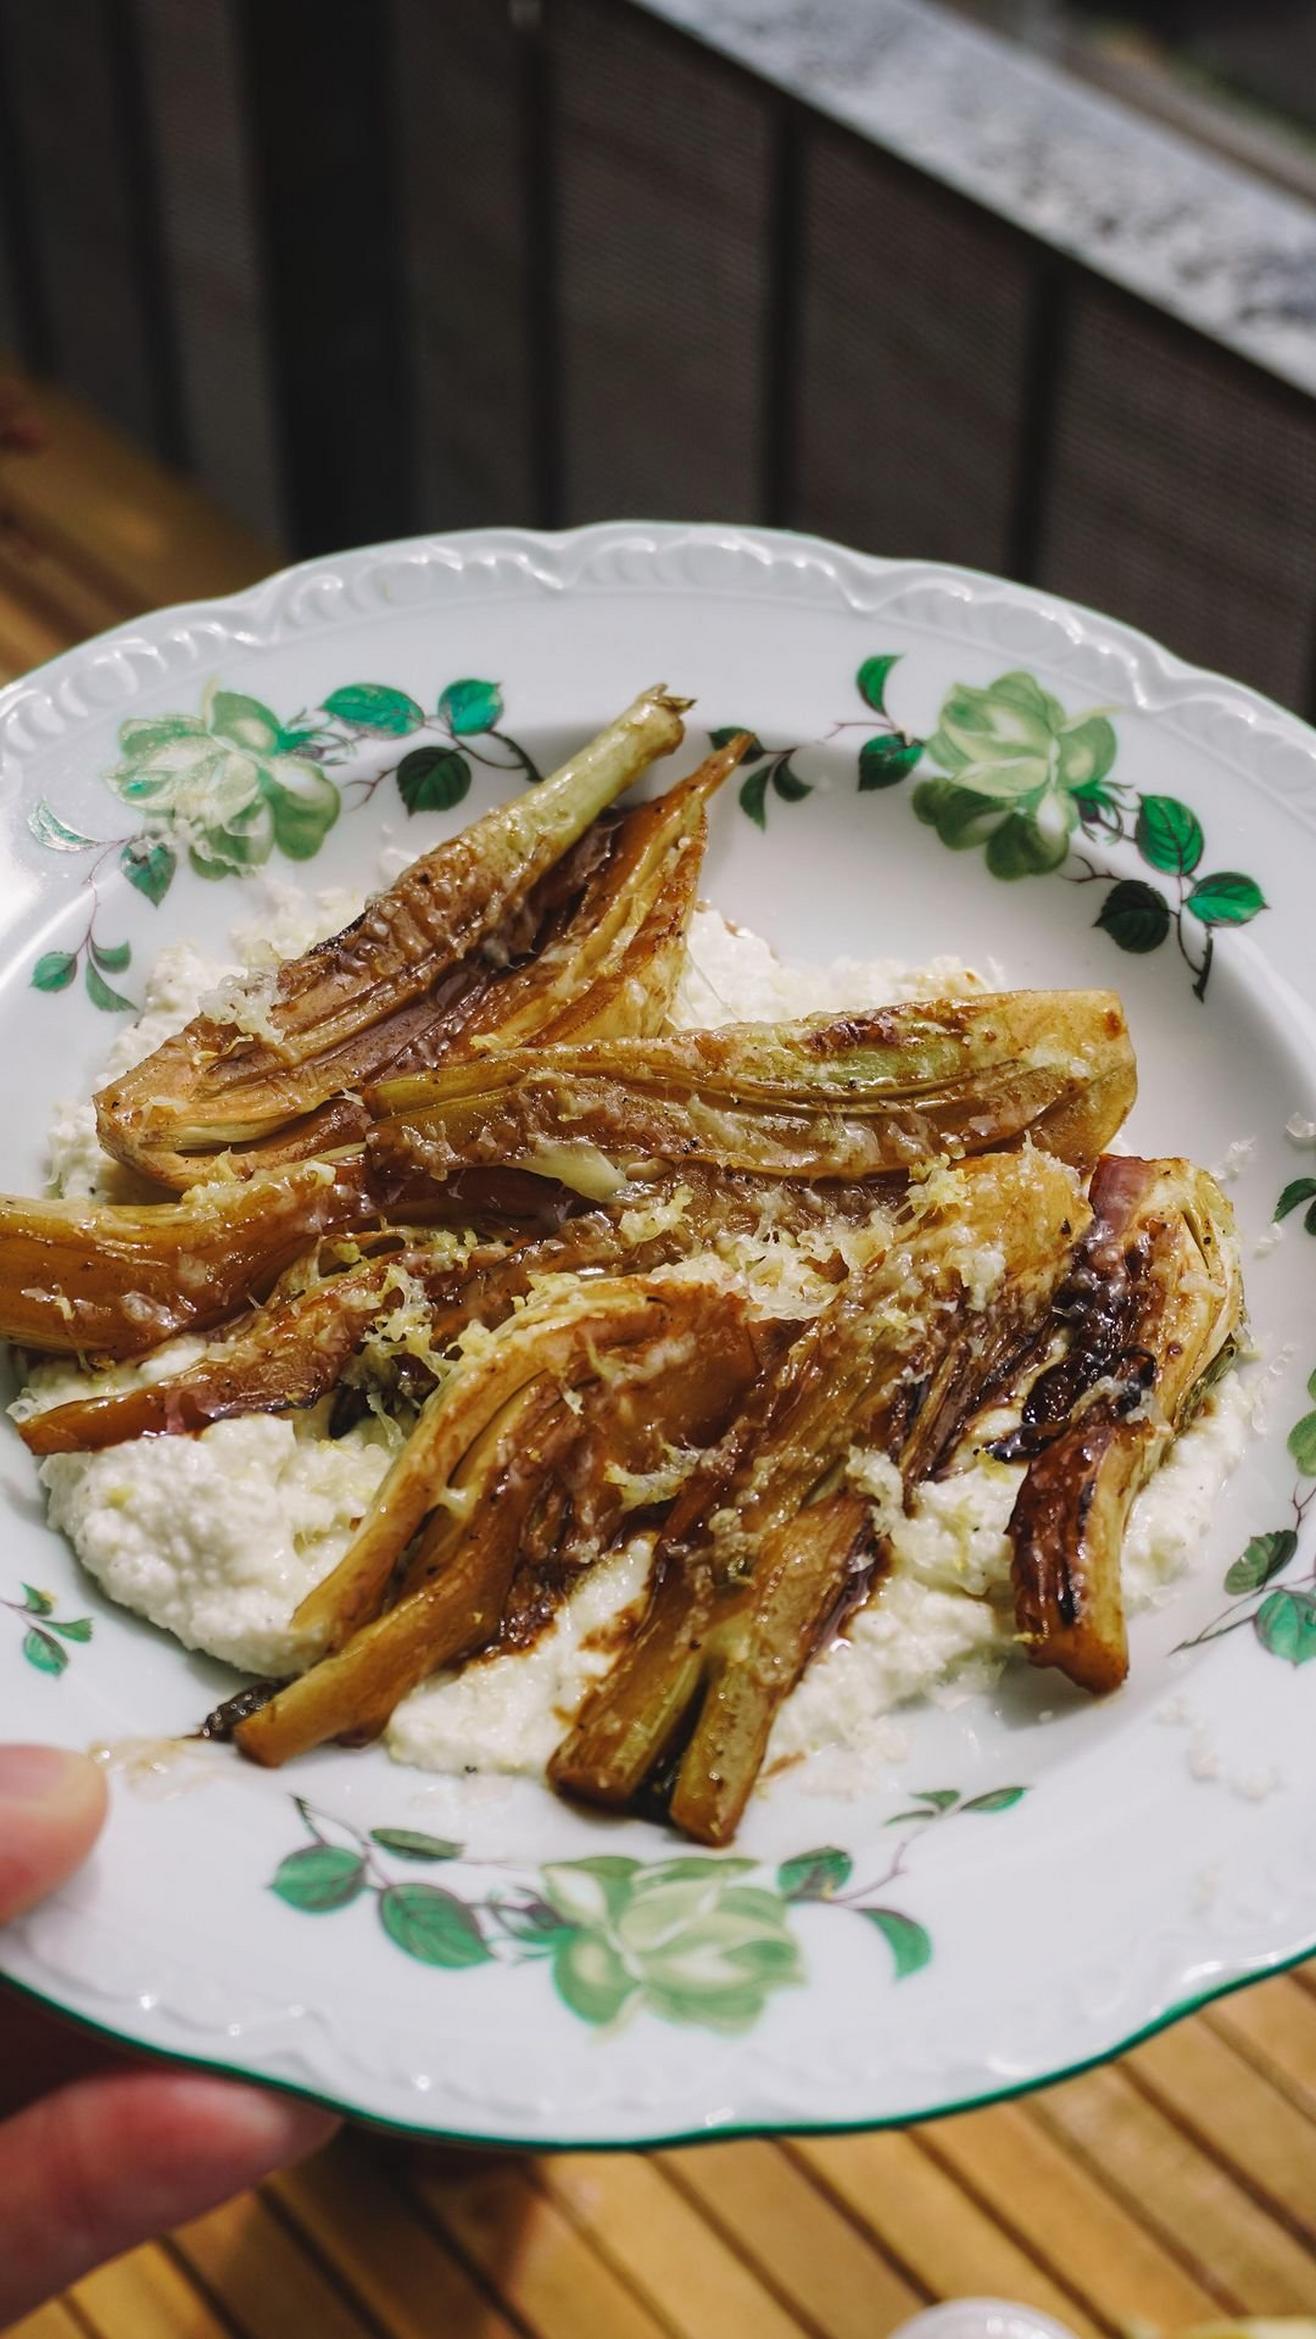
(689, 1939)
(1020, 770)
(230, 780)
(684, 1939)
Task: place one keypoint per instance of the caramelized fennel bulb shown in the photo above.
(1154, 1306)
(765, 1549)
(279, 1358)
(341, 1015)
(544, 1477)
(423, 1287)
(429, 1285)
(613, 969)
(888, 1089)
(113, 1280)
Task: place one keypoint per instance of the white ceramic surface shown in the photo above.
(1074, 1873)
(983, 2318)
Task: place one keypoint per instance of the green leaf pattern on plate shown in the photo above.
(229, 786)
(375, 706)
(1286, 1624)
(54, 970)
(872, 680)
(700, 1938)
(410, 1844)
(1264, 1557)
(223, 783)
(814, 1875)
(1302, 1444)
(909, 1942)
(1298, 1191)
(1016, 775)
(320, 1877)
(1135, 915)
(1282, 1616)
(1011, 772)
(470, 707)
(886, 760)
(43, 1631)
(765, 768)
(1026, 780)
(432, 1925)
(433, 779)
(1169, 835)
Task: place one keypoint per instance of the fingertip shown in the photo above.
(52, 1778)
(118, 2158)
(262, 2129)
(52, 1808)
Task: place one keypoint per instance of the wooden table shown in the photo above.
(1174, 2188)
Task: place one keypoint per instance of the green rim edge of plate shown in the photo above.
(1013, 2091)
(723, 2132)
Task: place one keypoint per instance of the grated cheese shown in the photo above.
(218, 1536)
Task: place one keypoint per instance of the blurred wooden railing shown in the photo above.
(368, 267)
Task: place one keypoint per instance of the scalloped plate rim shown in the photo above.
(259, 602)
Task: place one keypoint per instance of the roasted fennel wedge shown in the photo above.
(115, 1279)
(414, 1289)
(528, 1460)
(765, 1549)
(279, 1358)
(284, 1083)
(566, 1335)
(612, 969)
(1153, 1308)
(883, 1090)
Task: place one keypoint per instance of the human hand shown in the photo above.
(97, 2152)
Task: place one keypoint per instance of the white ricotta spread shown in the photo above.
(218, 1537)
(942, 1625)
(508, 1713)
(734, 976)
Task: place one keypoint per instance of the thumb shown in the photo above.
(52, 1807)
(97, 2166)
(121, 2157)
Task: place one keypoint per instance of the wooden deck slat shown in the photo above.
(1181, 2194)
(130, 526)
(55, 2321)
(57, 589)
(833, 2277)
(658, 2244)
(27, 638)
(551, 2279)
(269, 2286)
(1275, 2028)
(1057, 2210)
(361, 2228)
(1241, 2119)
(920, 2215)
(146, 2296)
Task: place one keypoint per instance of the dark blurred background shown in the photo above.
(282, 275)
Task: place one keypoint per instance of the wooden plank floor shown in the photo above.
(1174, 2188)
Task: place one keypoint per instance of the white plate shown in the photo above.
(1078, 1872)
